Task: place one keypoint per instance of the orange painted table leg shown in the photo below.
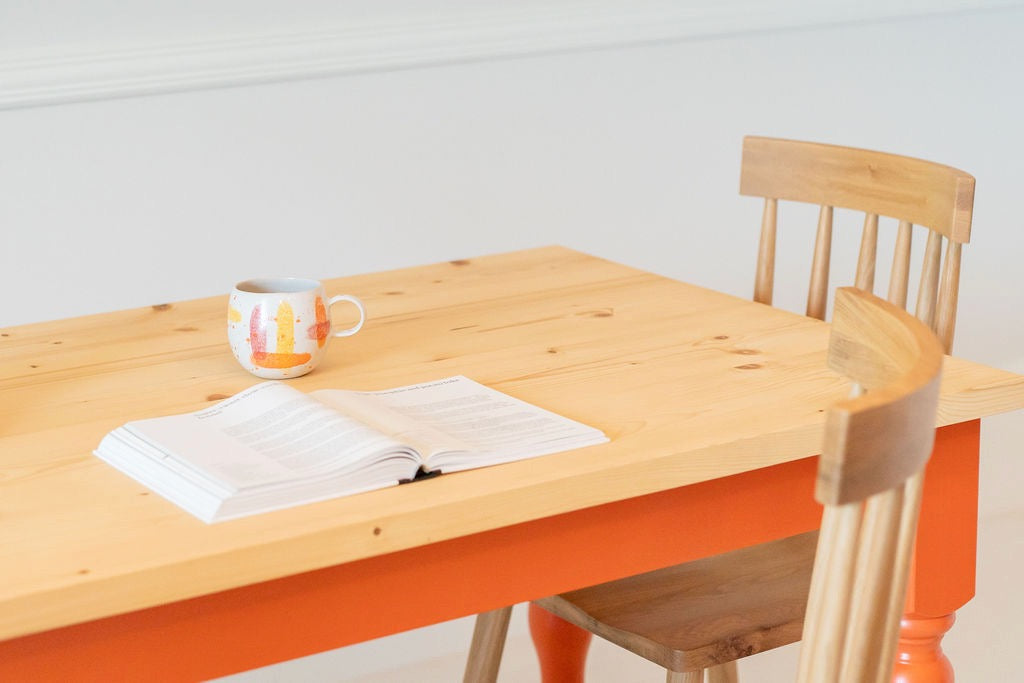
(920, 657)
(561, 647)
(942, 576)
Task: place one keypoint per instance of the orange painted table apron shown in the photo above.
(712, 403)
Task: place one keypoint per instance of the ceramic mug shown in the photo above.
(280, 327)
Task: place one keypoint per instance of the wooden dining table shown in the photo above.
(713, 406)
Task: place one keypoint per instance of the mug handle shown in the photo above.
(362, 315)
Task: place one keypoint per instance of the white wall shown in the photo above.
(631, 153)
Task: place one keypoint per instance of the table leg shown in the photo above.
(561, 647)
(920, 656)
(943, 571)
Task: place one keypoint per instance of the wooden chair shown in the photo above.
(754, 599)
(913, 191)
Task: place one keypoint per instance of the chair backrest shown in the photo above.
(912, 191)
(869, 480)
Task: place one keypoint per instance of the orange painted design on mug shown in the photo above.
(284, 357)
(322, 327)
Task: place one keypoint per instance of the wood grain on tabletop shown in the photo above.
(689, 384)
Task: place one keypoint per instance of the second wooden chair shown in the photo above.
(723, 608)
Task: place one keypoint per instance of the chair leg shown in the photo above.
(724, 673)
(687, 677)
(488, 643)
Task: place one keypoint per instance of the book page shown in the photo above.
(470, 425)
(268, 434)
(387, 411)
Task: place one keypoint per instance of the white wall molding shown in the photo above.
(60, 74)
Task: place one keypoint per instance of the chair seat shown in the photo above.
(702, 613)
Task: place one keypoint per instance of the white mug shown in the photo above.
(279, 327)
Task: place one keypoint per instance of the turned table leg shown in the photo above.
(943, 572)
(561, 647)
(920, 658)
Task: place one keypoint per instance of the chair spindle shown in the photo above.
(878, 552)
(928, 291)
(900, 275)
(945, 320)
(912, 491)
(867, 259)
(765, 279)
(817, 294)
(831, 582)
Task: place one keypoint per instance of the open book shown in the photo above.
(273, 446)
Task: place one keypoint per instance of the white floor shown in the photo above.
(989, 624)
